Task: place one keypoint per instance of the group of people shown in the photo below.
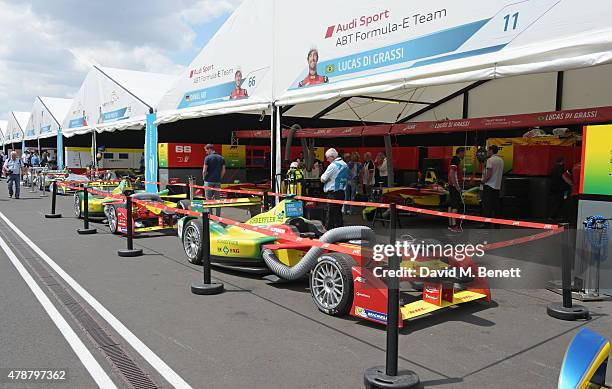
(14, 168)
(491, 183)
(345, 177)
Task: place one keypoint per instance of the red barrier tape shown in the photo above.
(508, 222)
(514, 223)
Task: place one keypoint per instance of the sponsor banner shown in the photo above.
(181, 155)
(339, 46)
(115, 115)
(597, 161)
(234, 155)
(542, 119)
(371, 315)
(235, 64)
(150, 156)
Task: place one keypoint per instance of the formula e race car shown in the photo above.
(346, 282)
(96, 202)
(421, 196)
(150, 212)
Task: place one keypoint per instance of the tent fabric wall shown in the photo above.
(210, 85)
(3, 132)
(16, 125)
(385, 49)
(46, 116)
(114, 99)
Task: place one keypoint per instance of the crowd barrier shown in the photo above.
(481, 219)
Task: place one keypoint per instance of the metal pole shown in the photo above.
(205, 252)
(566, 310)
(130, 252)
(388, 376)
(206, 287)
(53, 215)
(86, 230)
(392, 300)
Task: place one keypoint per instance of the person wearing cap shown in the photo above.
(212, 173)
(335, 179)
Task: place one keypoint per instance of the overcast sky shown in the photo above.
(47, 46)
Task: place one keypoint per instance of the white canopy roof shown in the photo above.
(114, 99)
(419, 50)
(233, 73)
(16, 125)
(46, 116)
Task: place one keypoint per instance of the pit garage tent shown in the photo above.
(114, 99)
(16, 125)
(233, 73)
(46, 116)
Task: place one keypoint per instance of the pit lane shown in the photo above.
(263, 335)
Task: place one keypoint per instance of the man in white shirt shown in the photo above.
(491, 181)
(13, 167)
(334, 181)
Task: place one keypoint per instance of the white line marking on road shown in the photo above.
(93, 367)
(156, 362)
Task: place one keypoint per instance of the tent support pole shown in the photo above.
(60, 149)
(389, 153)
(94, 150)
(559, 92)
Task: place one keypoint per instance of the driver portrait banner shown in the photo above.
(339, 46)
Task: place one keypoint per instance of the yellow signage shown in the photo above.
(234, 155)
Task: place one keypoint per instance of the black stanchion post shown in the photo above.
(53, 215)
(130, 251)
(388, 376)
(566, 310)
(265, 202)
(86, 230)
(206, 287)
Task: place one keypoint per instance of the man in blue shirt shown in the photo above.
(334, 181)
(212, 172)
(13, 167)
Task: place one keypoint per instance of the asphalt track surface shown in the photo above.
(256, 334)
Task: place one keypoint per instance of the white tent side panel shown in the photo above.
(3, 132)
(232, 73)
(108, 98)
(46, 115)
(16, 125)
(366, 46)
(590, 87)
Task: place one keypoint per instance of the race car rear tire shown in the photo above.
(77, 206)
(112, 218)
(192, 241)
(331, 283)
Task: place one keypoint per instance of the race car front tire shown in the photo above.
(112, 218)
(77, 206)
(331, 283)
(192, 241)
